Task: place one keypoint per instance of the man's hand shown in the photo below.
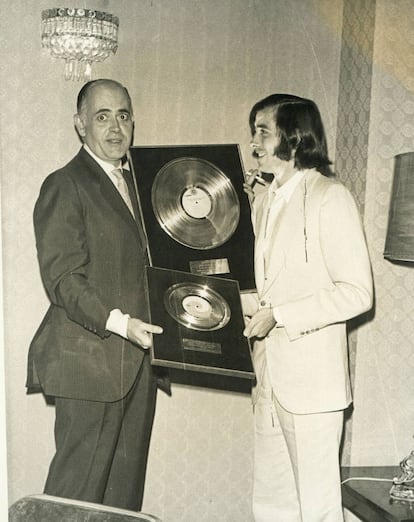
(260, 324)
(251, 177)
(250, 181)
(141, 333)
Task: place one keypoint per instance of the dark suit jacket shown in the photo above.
(92, 257)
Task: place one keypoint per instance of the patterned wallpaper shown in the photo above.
(194, 69)
(354, 105)
(383, 420)
(354, 102)
(376, 106)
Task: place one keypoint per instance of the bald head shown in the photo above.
(104, 120)
(89, 86)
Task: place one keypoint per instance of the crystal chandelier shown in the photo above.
(80, 37)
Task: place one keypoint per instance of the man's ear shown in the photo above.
(80, 127)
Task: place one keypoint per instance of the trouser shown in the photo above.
(102, 448)
(296, 464)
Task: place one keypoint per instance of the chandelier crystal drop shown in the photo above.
(80, 37)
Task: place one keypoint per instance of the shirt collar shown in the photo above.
(287, 189)
(107, 167)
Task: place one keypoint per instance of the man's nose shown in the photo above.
(115, 126)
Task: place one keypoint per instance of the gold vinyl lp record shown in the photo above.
(195, 203)
(196, 306)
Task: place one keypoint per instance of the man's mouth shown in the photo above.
(258, 154)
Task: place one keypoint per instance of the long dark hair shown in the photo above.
(299, 124)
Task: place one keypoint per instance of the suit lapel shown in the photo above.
(275, 256)
(289, 219)
(269, 257)
(110, 194)
(134, 200)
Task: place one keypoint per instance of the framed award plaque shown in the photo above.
(202, 323)
(195, 212)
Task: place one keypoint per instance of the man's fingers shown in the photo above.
(250, 177)
(152, 328)
(146, 336)
(248, 330)
(148, 327)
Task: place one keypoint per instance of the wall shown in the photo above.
(3, 438)
(354, 106)
(383, 420)
(194, 68)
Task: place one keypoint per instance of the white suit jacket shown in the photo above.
(318, 274)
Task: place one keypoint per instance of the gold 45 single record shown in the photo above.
(202, 323)
(197, 306)
(195, 212)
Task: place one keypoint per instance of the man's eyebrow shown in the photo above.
(99, 111)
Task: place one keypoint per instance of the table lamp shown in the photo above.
(399, 246)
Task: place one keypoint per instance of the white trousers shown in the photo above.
(296, 464)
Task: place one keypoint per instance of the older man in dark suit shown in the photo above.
(90, 352)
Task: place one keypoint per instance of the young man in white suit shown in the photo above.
(312, 274)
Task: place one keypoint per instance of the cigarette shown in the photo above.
(259, 179)
(252, 179)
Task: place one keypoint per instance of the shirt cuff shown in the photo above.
(278, 317)
(118, 323)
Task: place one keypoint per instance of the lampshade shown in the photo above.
(399, 243)
(80, 37)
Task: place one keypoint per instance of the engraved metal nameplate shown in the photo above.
(201, 346)
(210, 266)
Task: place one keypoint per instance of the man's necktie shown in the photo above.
(126, 188)
(122, 187)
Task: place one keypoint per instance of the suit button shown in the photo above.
(262, 303)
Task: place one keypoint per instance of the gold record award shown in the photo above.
(195, 203)
(195, 213)
(202, 323)
(197, 306)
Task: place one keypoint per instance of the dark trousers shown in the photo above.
(102, 448)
